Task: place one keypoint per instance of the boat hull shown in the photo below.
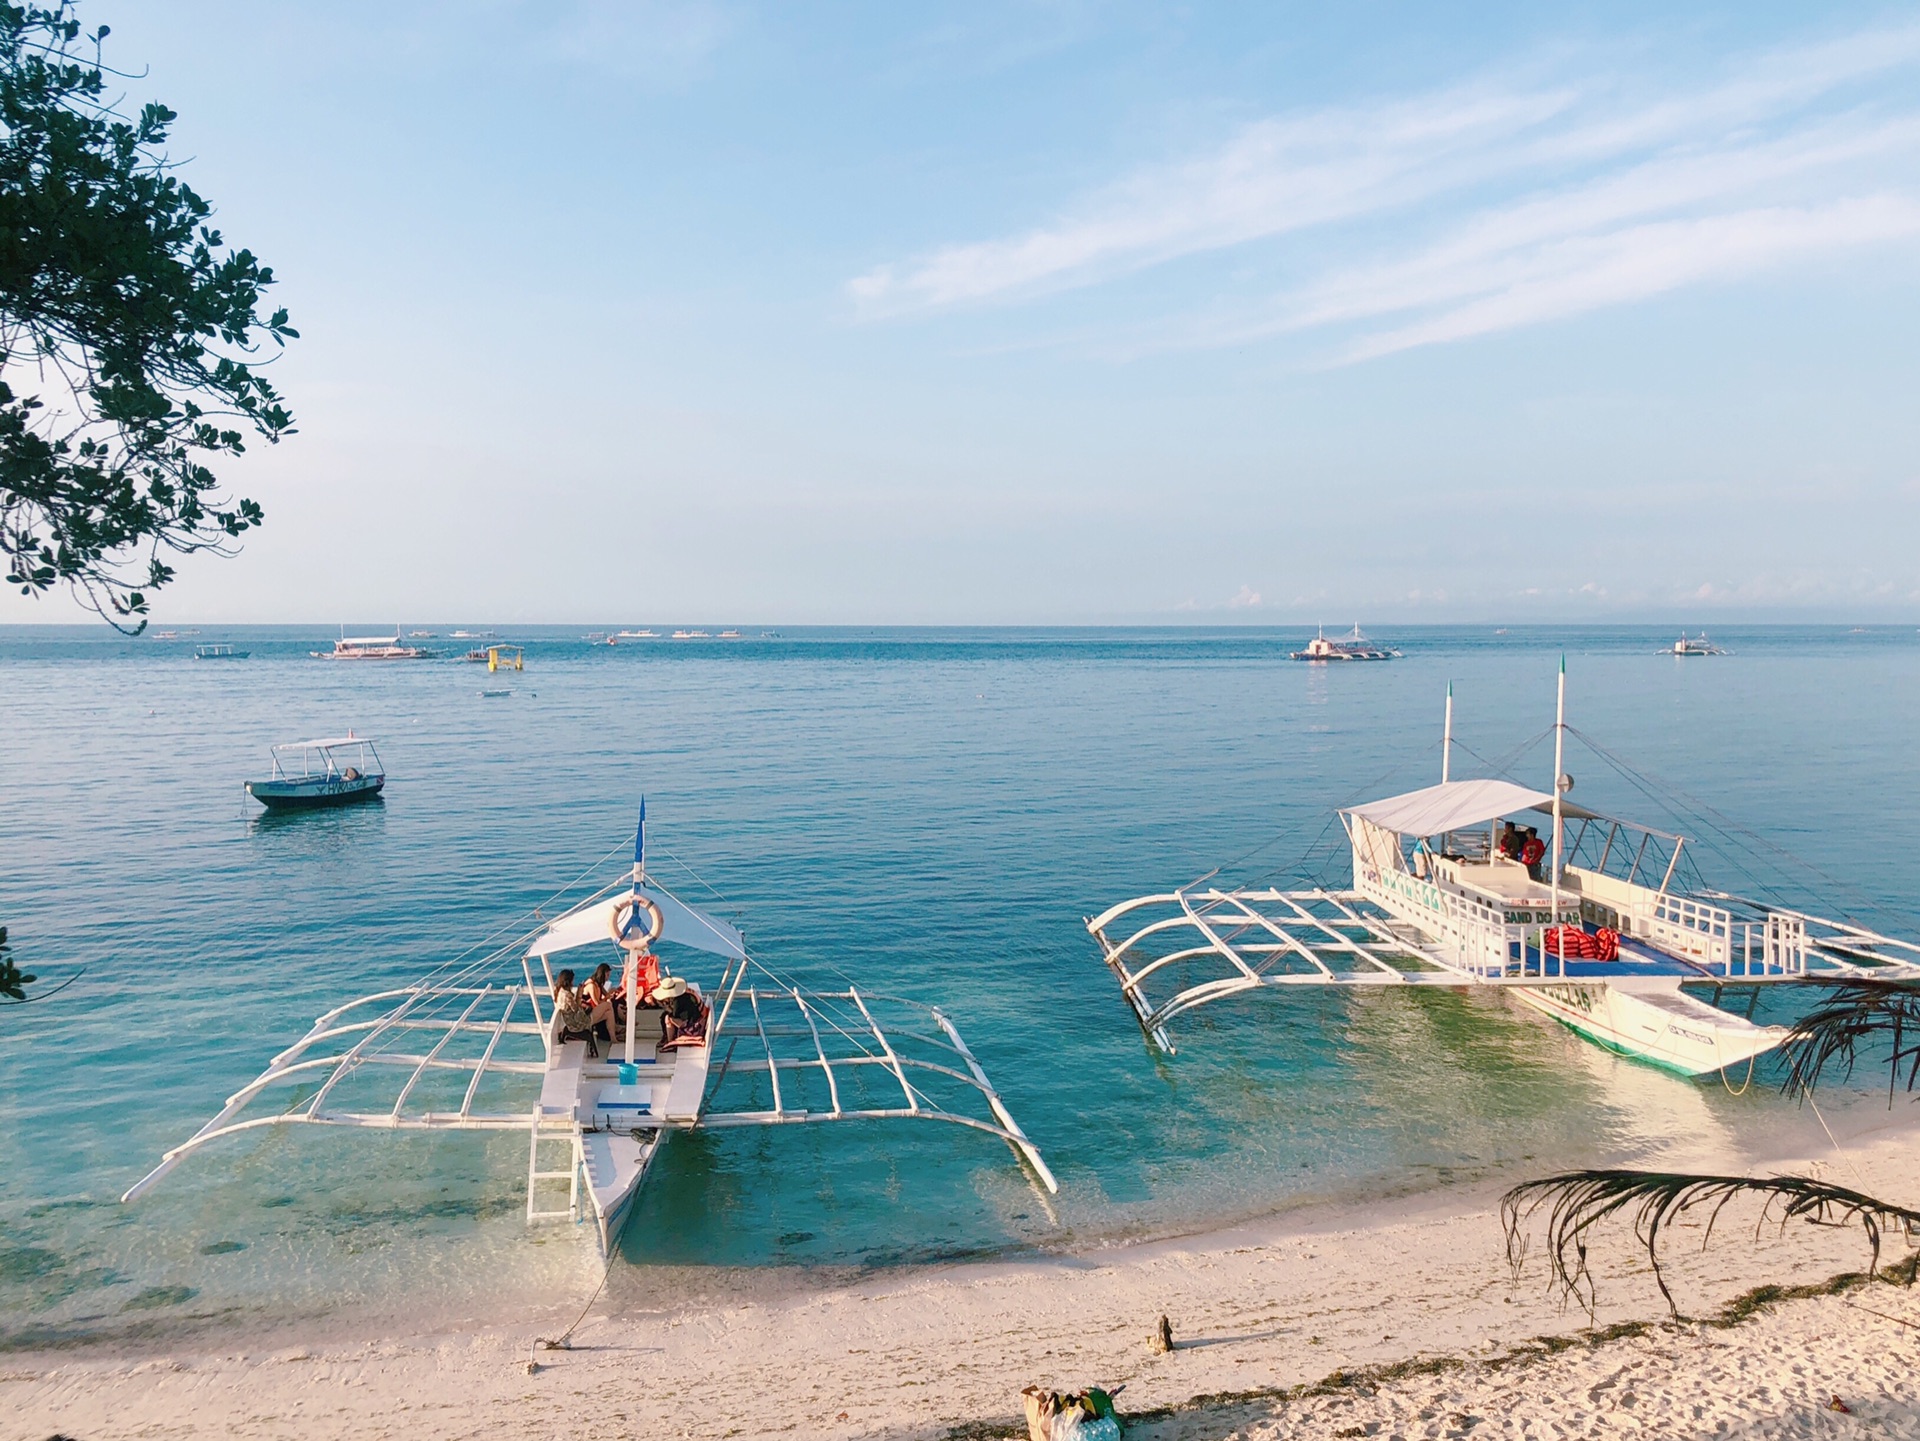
(296, 796)
(1652, 1020)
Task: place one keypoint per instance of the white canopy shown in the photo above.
(326, 744)
(685, 926)
(1450, 806)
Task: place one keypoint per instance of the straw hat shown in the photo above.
(669, 987)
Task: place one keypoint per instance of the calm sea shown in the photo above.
(932, 812)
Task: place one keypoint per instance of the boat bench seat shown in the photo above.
(560, 1088)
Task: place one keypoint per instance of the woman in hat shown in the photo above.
(685, 1013)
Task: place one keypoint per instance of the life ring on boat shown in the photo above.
(626, 913)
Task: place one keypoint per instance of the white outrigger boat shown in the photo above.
(1690, 645)
(370, 647)
(1598, 940)
(1352, 646)
(472, 1050)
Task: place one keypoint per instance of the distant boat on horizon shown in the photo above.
(1700, 645)
(1352, 646)
(219, 652)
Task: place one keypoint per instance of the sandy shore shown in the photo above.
(1409, 1324)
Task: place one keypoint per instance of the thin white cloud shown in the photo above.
(1274, 177)
(1487, 206)
(1589, 273)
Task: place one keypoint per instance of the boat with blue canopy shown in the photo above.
(333, 771)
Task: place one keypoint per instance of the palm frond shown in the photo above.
(1850, 1016)
(1577, 1201)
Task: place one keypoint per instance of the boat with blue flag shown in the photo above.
(310, 775)
(698, 1034)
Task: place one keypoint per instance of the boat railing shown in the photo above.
(1688, 928)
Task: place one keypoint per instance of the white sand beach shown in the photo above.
(1405, 1323)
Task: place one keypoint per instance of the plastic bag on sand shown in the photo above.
(1086, 1417)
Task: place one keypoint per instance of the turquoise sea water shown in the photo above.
(930, 812)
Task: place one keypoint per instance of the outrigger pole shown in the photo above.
(1559, 789)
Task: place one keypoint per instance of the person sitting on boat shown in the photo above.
(600, 996)
(685, 1013)
(1532, 851)
(573, 1015)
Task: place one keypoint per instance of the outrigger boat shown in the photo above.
(370, 647)
(477, 1047)
(1693, 645)
(1599, 940)
(327, 777)
(1352, 646)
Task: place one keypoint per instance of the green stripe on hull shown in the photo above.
(1606, 1042)
(1619, 1050)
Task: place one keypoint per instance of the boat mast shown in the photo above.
(1446, 738)
(630, 979)
(1559, 743)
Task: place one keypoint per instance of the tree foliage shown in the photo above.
(1851, 1016)
(130, 334)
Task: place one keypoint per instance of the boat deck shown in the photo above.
(1637, 958)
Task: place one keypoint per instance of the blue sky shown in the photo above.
(1059, 312)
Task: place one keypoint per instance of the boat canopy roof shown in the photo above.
(327, 744)
(1452, 806)
(685, 926)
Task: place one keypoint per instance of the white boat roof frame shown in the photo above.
(332, 743)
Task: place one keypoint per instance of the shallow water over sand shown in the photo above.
(930, 812)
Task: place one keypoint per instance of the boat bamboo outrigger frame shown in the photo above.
(475, 1050)
(1595, 943)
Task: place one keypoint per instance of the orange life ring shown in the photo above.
(623, 915)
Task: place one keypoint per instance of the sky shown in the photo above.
(1062, 312)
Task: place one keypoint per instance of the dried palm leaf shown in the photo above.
(1851, 1016)
(1580, 1200)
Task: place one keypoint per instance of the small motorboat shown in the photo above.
(219, 652)
(328, 775)
(1353, 646)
